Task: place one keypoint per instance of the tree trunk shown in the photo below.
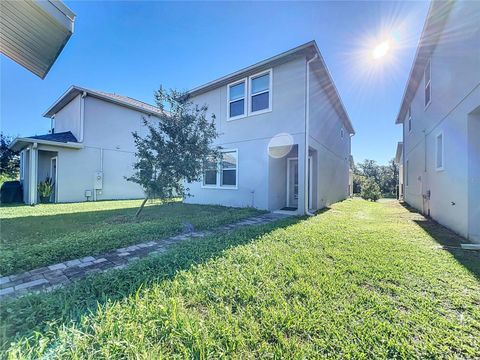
(141, 207)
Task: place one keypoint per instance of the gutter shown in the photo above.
(307, 134)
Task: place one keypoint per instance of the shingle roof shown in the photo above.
(63, 137)
(126, 101)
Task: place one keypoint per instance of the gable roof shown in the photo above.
(63, 137)
(431, 33)
(308, 50)
(126, 101)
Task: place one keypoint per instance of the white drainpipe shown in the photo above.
(307, 134)
(82, 115)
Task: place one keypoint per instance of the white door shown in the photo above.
(292, 182)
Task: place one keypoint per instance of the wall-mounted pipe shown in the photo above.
(82, 115)
(307, 134)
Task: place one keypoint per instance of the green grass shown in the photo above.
(361, 280)
(48, 233)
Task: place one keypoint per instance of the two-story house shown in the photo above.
(89, 150)
(440, 115)
(284, 132)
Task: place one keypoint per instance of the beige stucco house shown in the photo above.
(89, 150)
(440, 116)
(285, 135)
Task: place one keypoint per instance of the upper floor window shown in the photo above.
(439, 152)
(260, 93)
(341, 132)
(428, 85)
(410, 118)
(236, 99)
(223, 174)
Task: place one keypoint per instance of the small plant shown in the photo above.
(45, 189)
(370, 190)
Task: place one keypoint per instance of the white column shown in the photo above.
(33, 176)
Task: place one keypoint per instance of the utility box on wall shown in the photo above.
(98, 181)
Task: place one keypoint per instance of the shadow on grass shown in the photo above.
(29, 242)
(450, 241)
(40, 312)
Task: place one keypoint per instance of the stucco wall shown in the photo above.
(108, 147)
(455, 92)
(68, 118)
(252, 135)
(333, 149)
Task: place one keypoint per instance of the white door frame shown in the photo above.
(55, 178)
(309, 178)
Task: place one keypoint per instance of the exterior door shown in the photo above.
(292, 182)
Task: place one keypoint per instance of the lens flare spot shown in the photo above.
(381, 50)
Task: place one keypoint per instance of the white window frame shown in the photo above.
(409, 119)
(341, 132)
(429, 83)
(219, 178)
(440, 168)
(245, 99)
(250, 78)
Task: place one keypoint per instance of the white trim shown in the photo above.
(55, 198)
(409, 120)
(288, 179)
(22, 164)
(250, 78)
(310, 178)
(219, 186)
(439, 168)
(245, 100)
(407, 172)
(429, 65)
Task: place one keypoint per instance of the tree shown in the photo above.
(370, 190)
(385, 176)
(175, 149)
(9, 159)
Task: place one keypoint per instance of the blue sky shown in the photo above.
(130, 48)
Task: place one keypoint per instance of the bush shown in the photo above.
(370, 190)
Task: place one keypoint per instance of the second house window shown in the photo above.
(236, 99)
(224, 174)
(260, 92)
(259, 98)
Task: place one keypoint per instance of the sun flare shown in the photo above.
(381, 50)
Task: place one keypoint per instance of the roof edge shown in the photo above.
(52, 110)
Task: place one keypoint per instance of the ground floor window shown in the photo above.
(224, 173)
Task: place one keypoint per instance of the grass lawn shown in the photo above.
(361, 280)
(49, 233)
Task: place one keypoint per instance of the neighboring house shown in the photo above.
(399, 162)
(33, 33)
(90, 149)
(285, 136)
(440, 114)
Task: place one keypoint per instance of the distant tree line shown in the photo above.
(9, 160)
(372, 181)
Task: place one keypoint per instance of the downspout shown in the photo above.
(82, 115)
(307, 134)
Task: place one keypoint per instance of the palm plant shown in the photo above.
(45, 189)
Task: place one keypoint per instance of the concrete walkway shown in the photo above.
(58, 275)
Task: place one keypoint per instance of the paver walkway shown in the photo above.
(57, 275)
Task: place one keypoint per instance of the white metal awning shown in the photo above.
(33, 33)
